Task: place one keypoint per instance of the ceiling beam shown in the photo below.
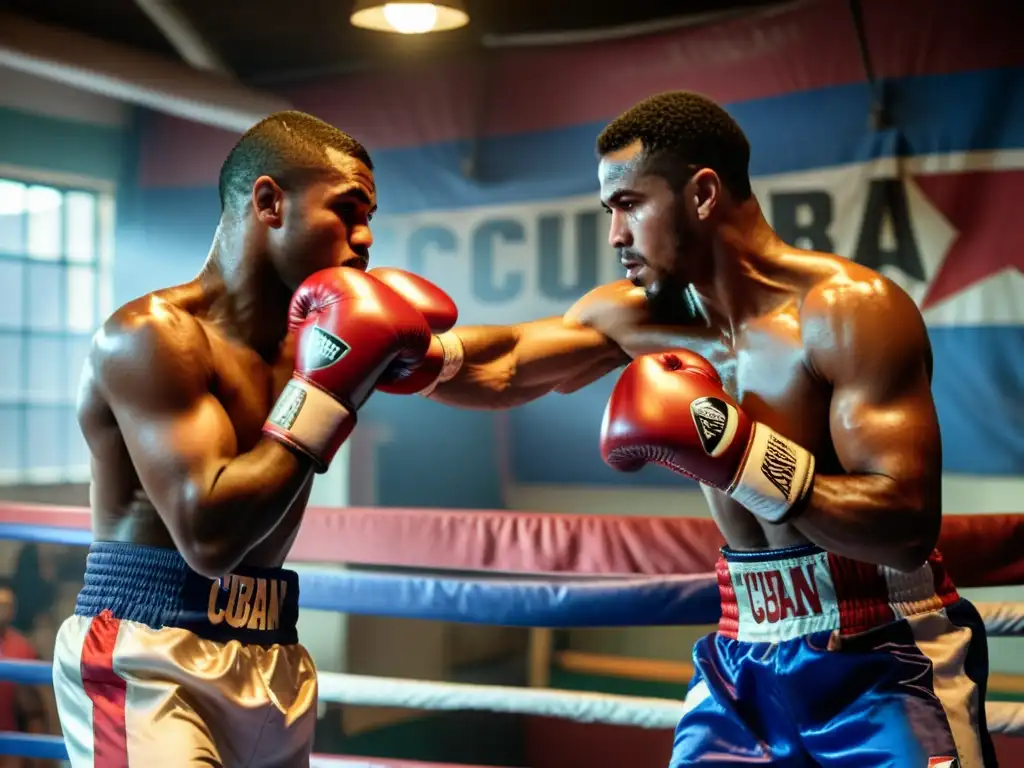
(130, 75)
(175, 26)
(636, 29)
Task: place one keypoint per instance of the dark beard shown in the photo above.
(671, 303)
(670, 300)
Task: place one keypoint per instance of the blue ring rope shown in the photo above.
(524, 602)
(33, 745)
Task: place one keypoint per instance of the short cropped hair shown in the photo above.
(281, 146)
(680, 129)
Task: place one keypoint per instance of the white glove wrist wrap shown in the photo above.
(308, 419)
(454, 354)
(776, 475)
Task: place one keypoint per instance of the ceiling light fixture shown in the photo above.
(409, 18)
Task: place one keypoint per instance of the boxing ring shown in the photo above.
(533, 570)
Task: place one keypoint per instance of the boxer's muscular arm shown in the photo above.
(154, 371)
(510, 365)
(506, 366)
(872, 347)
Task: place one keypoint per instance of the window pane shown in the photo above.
(11, 293)
(78, 451)
(44, 296)
(81, 214)
(11, 445)
(45, 209)
(77, 350)
(12, 216)
(81, 298)
(47, 437)
(11, 370)
(46, 369)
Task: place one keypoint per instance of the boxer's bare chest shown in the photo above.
(764, 367)
(246, 386)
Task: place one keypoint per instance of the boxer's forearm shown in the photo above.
(506, 366)
(871, 518)
(246, 500)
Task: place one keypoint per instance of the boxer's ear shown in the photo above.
(268, 201)
(706, 188)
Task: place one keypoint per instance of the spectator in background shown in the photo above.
(35, 585)
(21, 706)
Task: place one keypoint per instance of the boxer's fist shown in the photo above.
(349, 328)
(670, 409)
(402, 378)
(434, 304)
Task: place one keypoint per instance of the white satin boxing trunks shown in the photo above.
(160, 666)
(822, 661)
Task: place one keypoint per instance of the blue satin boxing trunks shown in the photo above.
(824, 661)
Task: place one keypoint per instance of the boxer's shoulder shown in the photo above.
(620, 297)
(153, 346)
(850, 308)
(849, 293)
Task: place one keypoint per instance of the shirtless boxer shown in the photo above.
(797, 390)
(183, 648)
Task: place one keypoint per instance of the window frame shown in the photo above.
(105, 195)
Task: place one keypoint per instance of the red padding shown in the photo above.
(980, 550)
(983, 550)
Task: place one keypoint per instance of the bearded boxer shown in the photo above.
(208, 408)
(796, 390)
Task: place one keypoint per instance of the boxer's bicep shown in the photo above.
(882, 416)
(155, 377)
(887, 426)
(868, 343)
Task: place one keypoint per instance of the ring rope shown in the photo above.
(636, 711)
(609, 709)
(1002, 619)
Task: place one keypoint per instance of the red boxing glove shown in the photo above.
(670, 409)
(445, 356)
(350, 328)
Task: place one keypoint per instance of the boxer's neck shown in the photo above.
(246, 295)
(743, 281)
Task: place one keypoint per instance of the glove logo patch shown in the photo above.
(323, 349)
(779, 465)
(288, 406)
(943, 762)
(716, 424)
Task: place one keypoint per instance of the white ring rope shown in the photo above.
(1005, 717)
(1002, 619)
(569, 705)
(642, 712)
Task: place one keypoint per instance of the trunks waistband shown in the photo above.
(782, 594)
(156, 587)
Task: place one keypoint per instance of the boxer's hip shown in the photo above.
(784, 594)
(159, 660)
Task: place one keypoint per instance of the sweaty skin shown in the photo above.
(178, 384)
(172, 409)
(836, 358)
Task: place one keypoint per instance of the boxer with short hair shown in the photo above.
(795, 387)
(208, 408)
